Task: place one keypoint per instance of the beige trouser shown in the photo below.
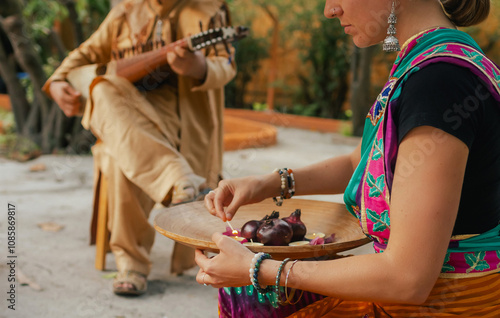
(141, 164)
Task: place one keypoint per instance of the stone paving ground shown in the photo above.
(59, 265)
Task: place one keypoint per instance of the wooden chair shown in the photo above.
(182, 256)
(99, 226)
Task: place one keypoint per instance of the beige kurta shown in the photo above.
(150, 138)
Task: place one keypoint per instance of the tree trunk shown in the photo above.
(271, 77)
(360, 87)
(42, 122)
(20, 105)
(58, 44)
(27, 58)
(75, 22)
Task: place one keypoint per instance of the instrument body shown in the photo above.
(141, 65)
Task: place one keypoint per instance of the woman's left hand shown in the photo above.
(187, 63)
(230, 268)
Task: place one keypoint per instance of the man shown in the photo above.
(160, 141)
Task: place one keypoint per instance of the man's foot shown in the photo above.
(130, 283)
(184, 191)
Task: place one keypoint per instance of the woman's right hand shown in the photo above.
(225, 200)
(66, 97)
(227, 269)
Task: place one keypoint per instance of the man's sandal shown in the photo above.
(184, 192)
(130, 283)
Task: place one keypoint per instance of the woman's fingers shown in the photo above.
(225, 243)
(209, 202)
(228, 268)
(201, 259)
(213, 205)
(231, 209)
(219, 206)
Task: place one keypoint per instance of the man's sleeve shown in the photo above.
(221, 67)
(96, 49)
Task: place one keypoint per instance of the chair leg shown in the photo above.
(102, 232)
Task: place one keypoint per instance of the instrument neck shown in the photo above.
(138, 66)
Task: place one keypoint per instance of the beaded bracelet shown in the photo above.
(291, 184)
(282, 187)
(287, 183)
(254, 272)
(289, 298)
(277, 286)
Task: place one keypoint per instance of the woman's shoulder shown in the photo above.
(446, 81)
(446, 96)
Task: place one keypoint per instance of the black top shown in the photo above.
(453, 99)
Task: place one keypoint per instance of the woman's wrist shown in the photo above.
(270, 184)
(268, 271)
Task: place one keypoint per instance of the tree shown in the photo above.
(325, 51)
(30, 42)
(361, 98)
(41, 111)
(248, 54)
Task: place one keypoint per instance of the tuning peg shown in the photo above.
(201, 26)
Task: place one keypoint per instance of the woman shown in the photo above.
(427, 174)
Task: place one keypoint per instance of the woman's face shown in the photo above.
(364, 20)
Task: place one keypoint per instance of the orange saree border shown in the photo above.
(465, 297)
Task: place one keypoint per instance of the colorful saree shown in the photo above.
(469, 284)
(368, 194)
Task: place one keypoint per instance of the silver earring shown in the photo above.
(391, 43)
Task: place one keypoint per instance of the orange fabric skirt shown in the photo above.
(462, 297)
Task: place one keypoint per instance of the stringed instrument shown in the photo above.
(139, 66)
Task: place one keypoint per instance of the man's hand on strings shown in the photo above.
(187, 63)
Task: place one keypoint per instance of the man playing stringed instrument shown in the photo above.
(159, 138)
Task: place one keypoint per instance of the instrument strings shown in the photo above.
(150, 45)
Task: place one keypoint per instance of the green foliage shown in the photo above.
(91, 13)
(86, 8)
(28, 88)
(260, 106)
(310, 109)
(345, 128)
(7, 122)
(248, 54)
(18, 147)
(325, 53)
(40, 16)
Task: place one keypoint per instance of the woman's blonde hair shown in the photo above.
(466, 12)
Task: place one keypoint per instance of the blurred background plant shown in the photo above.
(294, 61)
(35, 36)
